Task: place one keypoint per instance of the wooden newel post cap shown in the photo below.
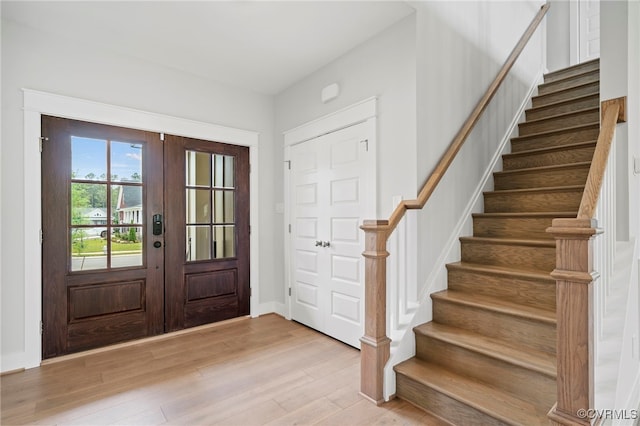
(371, 225)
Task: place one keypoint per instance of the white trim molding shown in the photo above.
(353, 114)
(36, 104)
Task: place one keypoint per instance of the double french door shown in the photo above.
(140, 236)
(328, 200)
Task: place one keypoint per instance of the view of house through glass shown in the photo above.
(107, 218)
(210, 206)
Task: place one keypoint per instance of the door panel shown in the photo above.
(328, 200)
(102, 280)
(207, 232)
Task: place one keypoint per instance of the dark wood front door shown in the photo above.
(115, 219)
(207, 206)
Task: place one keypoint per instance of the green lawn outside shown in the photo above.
(96, 245)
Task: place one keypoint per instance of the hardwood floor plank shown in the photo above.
(298, 396)
(307, 414)
(345, 396)
(149, 417)
(265, 370)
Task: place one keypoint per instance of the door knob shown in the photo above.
(319, 244)
(326, 244)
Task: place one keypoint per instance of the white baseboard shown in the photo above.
(13, 361)
(270, 308)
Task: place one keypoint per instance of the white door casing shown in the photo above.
(589, 23)
(584, 30)
(330, 189)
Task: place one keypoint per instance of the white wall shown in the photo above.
(558, 35)
(620, 76)
(384, 66)
(34, 60)
(461, 46)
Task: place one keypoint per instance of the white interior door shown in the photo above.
(328, 200)
(589, 27)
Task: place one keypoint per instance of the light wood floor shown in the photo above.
(249, 372)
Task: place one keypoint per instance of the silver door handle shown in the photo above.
(326, 244)
(319, 244)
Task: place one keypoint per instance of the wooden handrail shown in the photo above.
(460, 138)
(375, 345)
(574, 277)
(613, 111)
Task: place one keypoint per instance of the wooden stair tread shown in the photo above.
(526, 215)
(502, 270)
(496, 305)
(566, 89)
(553, 132)
(532, 242)
(563, 102)
(567, 74)
(541, 362)
(544, 168)
(591, 75)
(586, 64)
(493, 402)
(563, 115)
(543, 189)
(550, 149)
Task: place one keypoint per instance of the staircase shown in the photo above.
(488, 356)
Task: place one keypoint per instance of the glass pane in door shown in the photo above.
(106, 197)
(198, 242)
(126, 162)
(210, 206)
(88, 158)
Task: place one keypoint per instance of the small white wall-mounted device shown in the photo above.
(330, 92)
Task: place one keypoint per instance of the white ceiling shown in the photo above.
(264, 46)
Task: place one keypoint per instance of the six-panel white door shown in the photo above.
(328, 199)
